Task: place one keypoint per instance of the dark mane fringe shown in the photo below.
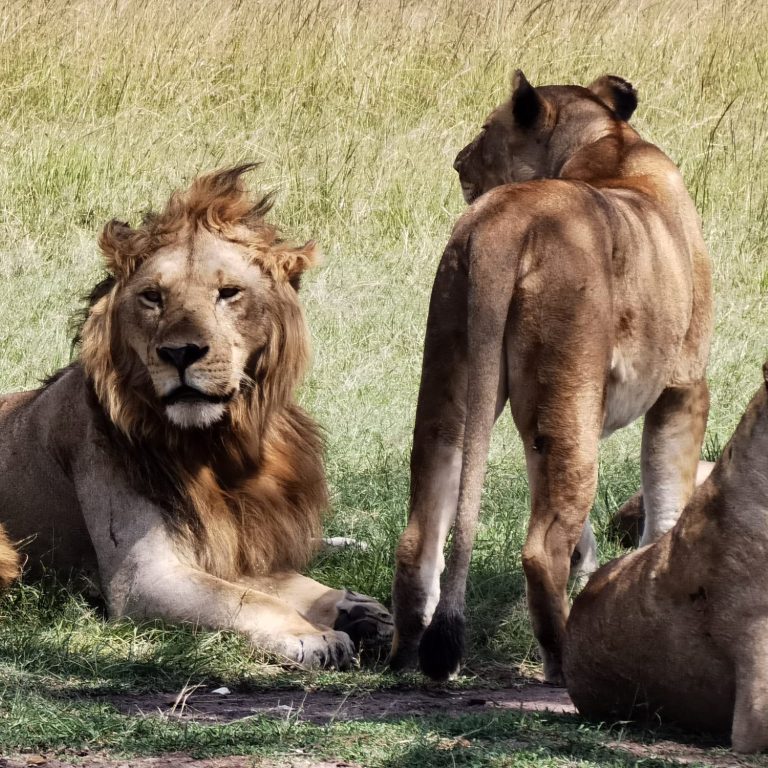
(76, 323)
(247, 495)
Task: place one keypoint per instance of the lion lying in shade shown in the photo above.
(171, 462)
(679, 630)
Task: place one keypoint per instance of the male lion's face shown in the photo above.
(193, 313)
(537, 130)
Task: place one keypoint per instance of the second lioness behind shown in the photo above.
(582, 296)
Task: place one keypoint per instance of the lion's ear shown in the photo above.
(119, 243)
(526, 103)
(292, 262)
(617, 93)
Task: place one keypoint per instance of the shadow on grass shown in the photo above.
(52, 724)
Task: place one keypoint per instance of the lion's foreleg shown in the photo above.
(750, 716)
(364, 619)
(167, 589)
(672, 437)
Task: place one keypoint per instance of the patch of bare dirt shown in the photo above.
(321, 707)
(685, 754)
(173, 760)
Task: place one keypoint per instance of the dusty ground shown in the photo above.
(322, 707)
(173, 760)
(202, 705)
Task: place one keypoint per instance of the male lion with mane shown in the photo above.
(577, 287)
(678, 631)
(171, 459)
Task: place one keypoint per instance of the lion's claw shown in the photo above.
(324, 650)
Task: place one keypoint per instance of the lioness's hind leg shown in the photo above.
(420, 559)
(436, 457)
(584, 558)
(562, 472)
(672, 436)
(750, 716)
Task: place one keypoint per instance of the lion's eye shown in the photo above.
(229, 292)
(151, 298)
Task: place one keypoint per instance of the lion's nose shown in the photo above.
(181, 357)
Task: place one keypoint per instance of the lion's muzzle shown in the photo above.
(182, 357)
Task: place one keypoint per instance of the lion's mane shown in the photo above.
(247, 495)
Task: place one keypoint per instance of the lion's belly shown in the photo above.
(630, 391)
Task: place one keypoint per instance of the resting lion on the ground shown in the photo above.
(581, 295)
(679, 630)
(171, 459)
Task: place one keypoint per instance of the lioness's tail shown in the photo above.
(489, 295)
(10, 562)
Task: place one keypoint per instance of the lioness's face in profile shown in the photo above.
(193, 313)
(533, 134)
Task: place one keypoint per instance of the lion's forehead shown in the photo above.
(201, 259)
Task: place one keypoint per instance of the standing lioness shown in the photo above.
(582, 295)
(679, 630)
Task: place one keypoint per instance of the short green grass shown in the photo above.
(356, 110)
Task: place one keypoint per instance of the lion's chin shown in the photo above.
(194, 415)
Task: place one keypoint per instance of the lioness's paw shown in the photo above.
(323, 650)
(365, 620)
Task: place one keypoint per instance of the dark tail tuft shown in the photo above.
(442, 646)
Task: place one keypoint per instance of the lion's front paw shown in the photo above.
(365, 620)
(322, 650)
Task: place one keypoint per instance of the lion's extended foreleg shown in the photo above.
(147, 571)
(364, 619)
(156, 584)
(672, 437)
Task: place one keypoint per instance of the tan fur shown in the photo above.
(627, 523)
(577, 288)
(678, 631)
(10, 562)
(193, 486)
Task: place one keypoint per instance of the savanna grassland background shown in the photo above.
(356, 110)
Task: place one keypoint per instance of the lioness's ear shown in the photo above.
(120, 245)
(765, 372)
(292, 262)
(619, 94)
(526, 103)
